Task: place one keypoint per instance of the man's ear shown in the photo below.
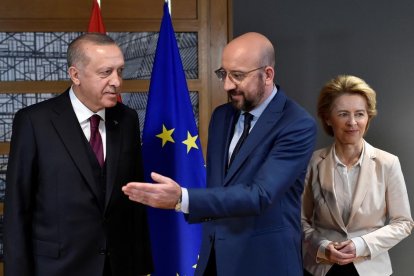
(270, 74)
(74, 75)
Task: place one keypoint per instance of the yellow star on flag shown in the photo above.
(190, 142)
(165, 135)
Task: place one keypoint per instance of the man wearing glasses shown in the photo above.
(258, 149)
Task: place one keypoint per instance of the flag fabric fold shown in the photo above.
(96, 24)
(171, 146)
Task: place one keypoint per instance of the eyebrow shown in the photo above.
(344, 110)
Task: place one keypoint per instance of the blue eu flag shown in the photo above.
(171, 147)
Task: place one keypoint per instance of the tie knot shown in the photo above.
(95, 119)
(247, 118)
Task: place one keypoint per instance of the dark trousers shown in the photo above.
(339, 270)
(211, 269)
(107, 268)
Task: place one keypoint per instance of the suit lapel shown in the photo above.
(113, 142)
(326, 180)
(230, 121)
(67, 126)
(365, 177)
(266, 122)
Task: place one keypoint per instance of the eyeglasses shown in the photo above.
(235, 76)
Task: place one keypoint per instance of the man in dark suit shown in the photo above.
(65, 213)
(258, 149)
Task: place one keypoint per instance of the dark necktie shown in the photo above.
(247, 121)
(96, 140)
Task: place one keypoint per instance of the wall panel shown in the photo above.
(208, 19)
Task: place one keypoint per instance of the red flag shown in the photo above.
(96, 25)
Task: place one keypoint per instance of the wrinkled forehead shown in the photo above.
(349, 102)
(240, 57)
(93, 51)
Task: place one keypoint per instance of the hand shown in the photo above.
(347, 247)
(164, 193)
(341, 252)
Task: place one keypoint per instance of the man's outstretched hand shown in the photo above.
(164, 193)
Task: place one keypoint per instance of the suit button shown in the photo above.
(102, 251)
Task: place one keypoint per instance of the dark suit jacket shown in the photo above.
(56, 221)
(251, 213)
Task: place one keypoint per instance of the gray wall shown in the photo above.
(316, 40)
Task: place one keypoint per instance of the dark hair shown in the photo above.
(75, 53)
(338, 86)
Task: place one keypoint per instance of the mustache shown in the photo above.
(234, 92)
(230, 93)
(111, 91)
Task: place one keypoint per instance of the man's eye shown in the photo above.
(238, 76)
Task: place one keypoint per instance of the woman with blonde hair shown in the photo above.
(355, 203)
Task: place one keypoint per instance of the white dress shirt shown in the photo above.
(83, 114)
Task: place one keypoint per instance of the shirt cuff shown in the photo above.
(184, 201)
(361, 248)
(321, 251)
